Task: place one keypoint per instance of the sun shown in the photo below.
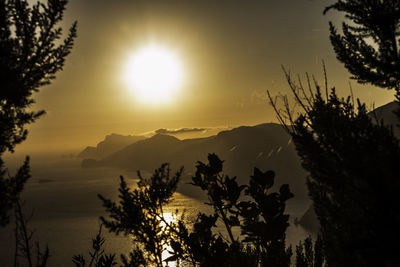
(154, 74)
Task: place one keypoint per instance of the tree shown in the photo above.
(353, 176)
(24, 249)
(369, 46)
(260, 216)
(352, 161)
(30, 55)
(308, 255)
(97, 255)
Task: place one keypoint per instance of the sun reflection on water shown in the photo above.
(170, 219)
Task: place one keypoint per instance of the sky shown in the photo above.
(232, 52)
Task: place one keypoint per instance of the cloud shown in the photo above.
(179, 131)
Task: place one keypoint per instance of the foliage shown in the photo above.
(353, 182)
(369, 45)
(29, 59)
(31, 53)
(10, 189)
(352, 161)
(308, 255)
(25, 252)
(261, 218)
(258, 213)
(98, 257)
(140, 213)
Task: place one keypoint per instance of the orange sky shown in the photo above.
(232, 52)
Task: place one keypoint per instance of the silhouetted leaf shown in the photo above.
(285, 193)
(215, 163)
(264, 179)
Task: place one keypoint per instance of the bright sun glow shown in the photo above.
(155, 74)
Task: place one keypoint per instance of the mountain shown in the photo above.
(310, 220)
(111, 144)
(266, 146)
(386, 113)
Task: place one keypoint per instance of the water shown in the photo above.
(66, 209)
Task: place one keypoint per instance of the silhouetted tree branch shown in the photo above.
(98, 257)
(261, 218)
(24, 250)
(369, 45)
(353, 170)
(30, 55)
(32, 51)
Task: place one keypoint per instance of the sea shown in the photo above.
(63, 208)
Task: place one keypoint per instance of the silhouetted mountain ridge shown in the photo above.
(266, 146)
(386, 113)
(111, 143)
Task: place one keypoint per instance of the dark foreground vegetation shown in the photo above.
(352, 160)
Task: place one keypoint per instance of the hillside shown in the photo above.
(266, 146)
(111, 144)
(386, 113)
